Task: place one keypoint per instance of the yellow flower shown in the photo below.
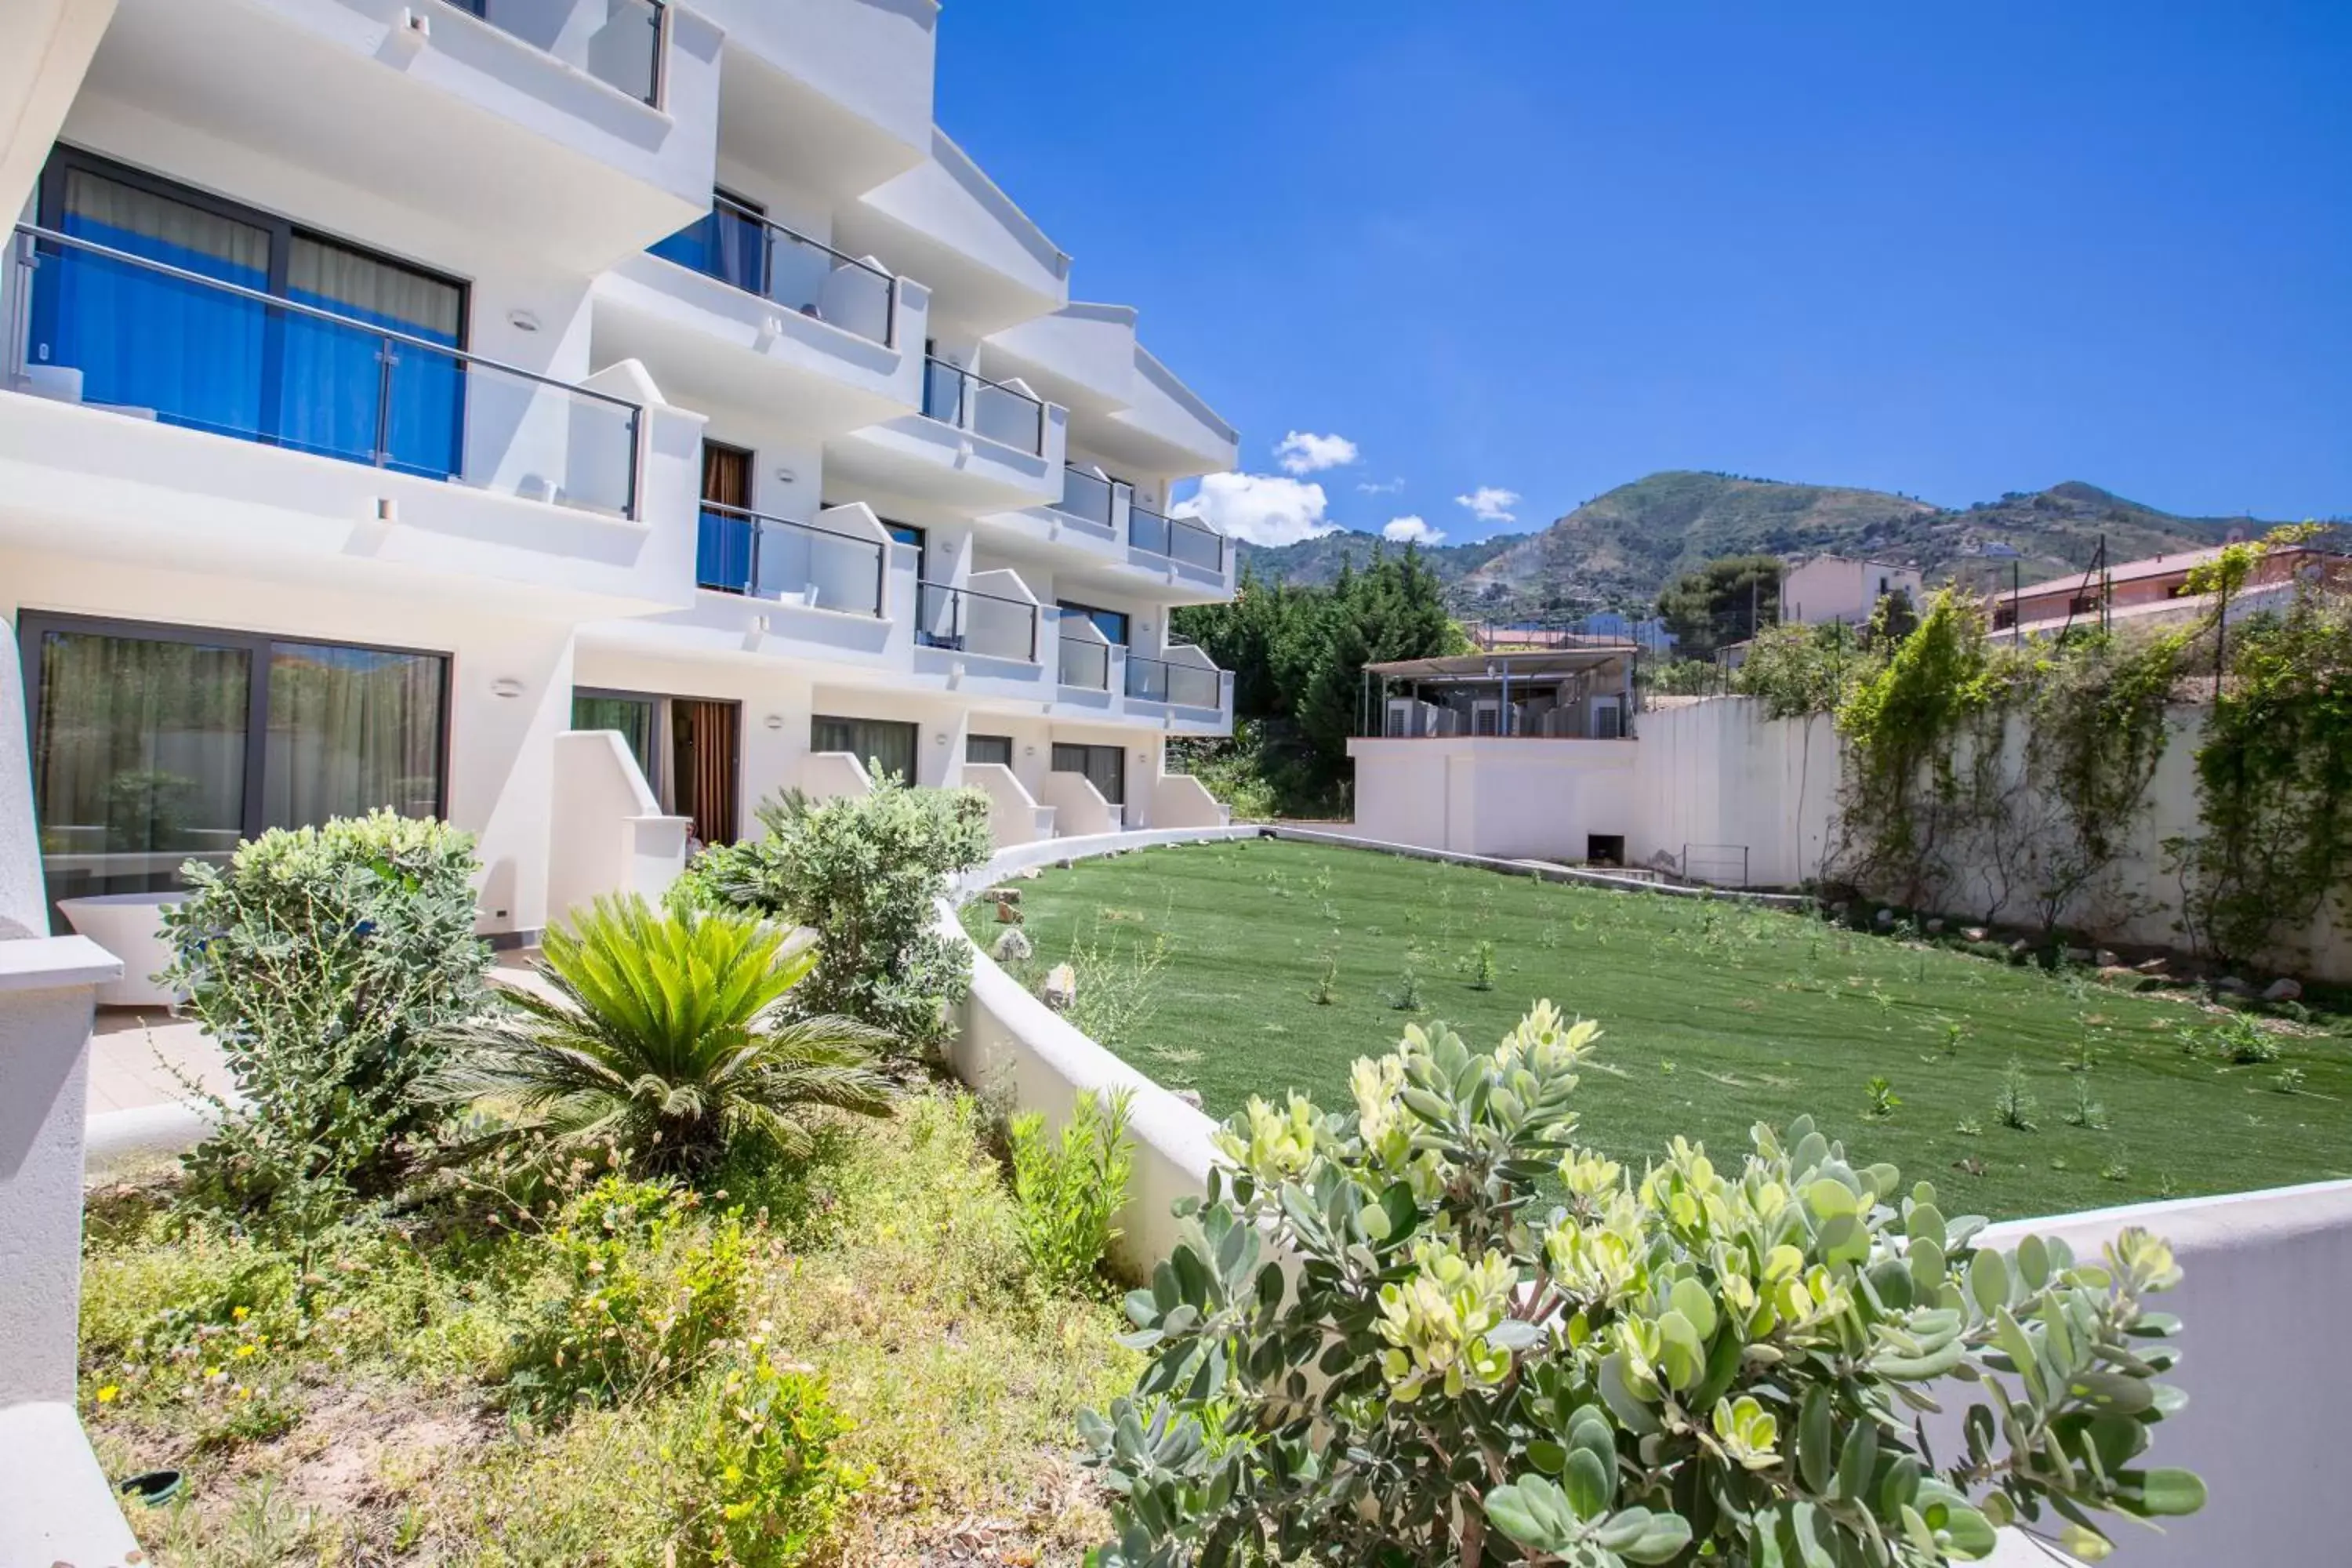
(244, 1349)
(108, 1395)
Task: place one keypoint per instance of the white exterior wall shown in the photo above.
(1839, 588)
(1519, 797)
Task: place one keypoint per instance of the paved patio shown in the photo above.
(141, 1057)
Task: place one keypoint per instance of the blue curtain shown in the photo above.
(722, 557)
(333, 380)
(724, 243)
(195, 356)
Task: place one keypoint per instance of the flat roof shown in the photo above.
(1590, 654)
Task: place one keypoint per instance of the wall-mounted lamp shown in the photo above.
(522, 320)
(940, 739)
(1028, 750)
(773, 720)
(506, 686)
(786, 477)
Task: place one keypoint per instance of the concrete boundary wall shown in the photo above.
(1541, 873)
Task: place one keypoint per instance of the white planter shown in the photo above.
(130, 926)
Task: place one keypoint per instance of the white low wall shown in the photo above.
(1079, 809)
(1013, 815)
(2261, 1270)
(609, 836)
(1179, 800)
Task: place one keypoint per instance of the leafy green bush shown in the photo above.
(667, 1039)
(645, 1294)
(326, 962)
(1690, 1365)
(867, 871)
(771, 1488)
(1069, 1188)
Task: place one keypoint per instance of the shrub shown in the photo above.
(1482, 966)
(645, 1293)
(1687, 1365)
(1883, 1102)
(770, 1487)
(667, 1038)
(2014, 1103)
(1069, 1189)
(325, 962)
(867, 871)
(1118, 986)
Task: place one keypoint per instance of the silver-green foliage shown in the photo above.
(1690, 1365)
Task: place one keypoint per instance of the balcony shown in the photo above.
(814, 567)
(834, 91)
(1100, 537)
(998, 625)
(1193, 547)
(584, 129)
(977, 444)
(168, 415)
(1085, 660)
(740, 310)
(1177, 685)
(946, 222)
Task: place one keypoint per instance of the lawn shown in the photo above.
(1717, 1016)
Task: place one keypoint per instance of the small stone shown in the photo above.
(1884, 920)
(1190, 1096)
(2106, 958)
(1063, 864)
(2150, 965)
(1061, 988)
(1975, 933)
(2020, 948)
(1003, 895)
(1935, 926)
(2079, 955)
(1838, 910)
(2283, 990)
(1012, 947)
(2115, 974)
(1008, 914)
(2229, 984)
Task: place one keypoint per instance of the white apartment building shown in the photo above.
(580, 420)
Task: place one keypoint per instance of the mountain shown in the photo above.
(1619, 549)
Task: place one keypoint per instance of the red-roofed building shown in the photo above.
(2156, 589)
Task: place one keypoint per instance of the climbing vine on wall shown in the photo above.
(2273, 774)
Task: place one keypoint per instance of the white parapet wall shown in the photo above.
(609, 834)
(2261, 1270)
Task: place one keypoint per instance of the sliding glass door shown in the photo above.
(154, 745)
(870, 741)
(1104, 766)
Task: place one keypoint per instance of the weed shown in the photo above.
(2014, 1104)
(2114, 1173)
(1327, 985)
(1068, 1189)
(2288, 1081)
(1481, 966)
(2086, 1112)
(1969, 1127)
(1883, 1102)
(1407, 997)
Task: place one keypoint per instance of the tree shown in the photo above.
(1724, 600)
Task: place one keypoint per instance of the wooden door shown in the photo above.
(704, 740)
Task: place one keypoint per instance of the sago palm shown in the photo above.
(666, 1038)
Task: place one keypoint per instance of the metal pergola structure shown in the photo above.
(1555, 668)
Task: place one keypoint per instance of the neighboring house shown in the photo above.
(398, 401)
(1516, 754)
(1841, 588)
(2156, 590)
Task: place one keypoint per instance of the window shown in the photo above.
(1104, 766)
(638, 719)
(153, 745)
(996, 748)
(726, 538)
(870, 741)
(1112, 624)
(210, 360)
(689, 748)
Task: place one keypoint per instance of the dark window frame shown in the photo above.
(655, 700)
(914, 754)
(31, 625)
(971, 741)
(1088, 611)
(1054, 764)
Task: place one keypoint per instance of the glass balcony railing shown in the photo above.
(618, 42)
(739, 551)
(966, 620)
(1084, 663)
(1164, 680)
(954, 396)
(153, 340)
(1086, 496)
(1180, 539)
(739, 246)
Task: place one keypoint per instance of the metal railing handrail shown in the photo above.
(1174, 521)
(972, 376)
(753, 215)
(1029, 604)
(656, 75)
(278, 301)
(955, 594)
(759, 522)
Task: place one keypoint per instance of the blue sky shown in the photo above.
(1949, 249)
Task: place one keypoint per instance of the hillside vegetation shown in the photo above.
(1619, 549)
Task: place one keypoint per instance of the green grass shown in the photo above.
(1717, 1017)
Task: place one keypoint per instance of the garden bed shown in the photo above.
(1203, 965)
(357, 1406)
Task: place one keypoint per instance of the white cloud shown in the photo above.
(1412, 531)
(1303, 452)
(1488, 504)
(1264, 509)
(1380, 487)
